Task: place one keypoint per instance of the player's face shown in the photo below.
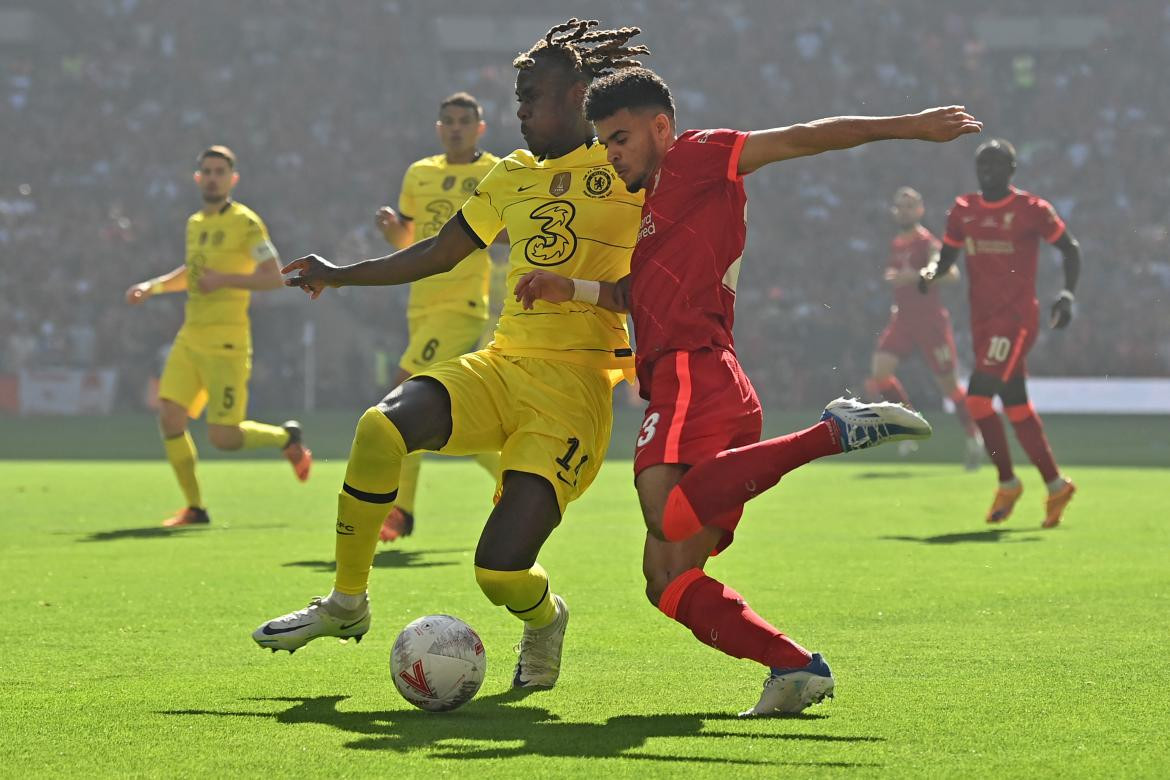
(459, 129)
(550, 106)
(216, 179)
(635, 142)
(994, 170)
(907, 211)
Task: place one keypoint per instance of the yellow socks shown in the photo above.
(371, 482)
(525, 593)
(258, 435)
(181, 453)
(408, 482)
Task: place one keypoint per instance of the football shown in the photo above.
(438, 663)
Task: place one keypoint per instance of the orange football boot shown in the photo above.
(192, 515)
(300, 456)
(1054, 506)
(1004, 503)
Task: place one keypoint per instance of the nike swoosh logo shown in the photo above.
(522, 189)
(351, 625)
(268, 630)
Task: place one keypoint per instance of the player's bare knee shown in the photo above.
(655, 587)
(225, 437)
(172, 419)
(420, 409)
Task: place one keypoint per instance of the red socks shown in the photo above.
(994, 436)
(1030, 433)
(717, 487)
(719, 617)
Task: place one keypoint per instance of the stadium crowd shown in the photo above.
(109, 102)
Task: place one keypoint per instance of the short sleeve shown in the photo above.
(257, 242)
(711, 153)
(954, 234)
(1048, 223)
(406, 196)
(480, 214)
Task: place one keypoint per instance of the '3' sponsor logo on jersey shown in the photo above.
(556, 242)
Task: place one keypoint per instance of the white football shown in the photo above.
(438, 663)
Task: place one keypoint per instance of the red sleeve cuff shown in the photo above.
(733, 160)
(952, 241)
(1057, 232)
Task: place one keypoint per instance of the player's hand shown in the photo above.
(944, 124)
(386, 217)
(544, 286)
(210, 281)
(1062, 313)
(137, 293)
(313, 274)
(925, 278)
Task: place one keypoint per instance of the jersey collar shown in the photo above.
(997, 204)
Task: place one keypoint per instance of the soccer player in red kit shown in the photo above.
(918, 323)
(699, 457)
(1000, 228)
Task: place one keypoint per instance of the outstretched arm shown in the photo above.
(428, 257)
(174, 281)
(1070, 251)
(845, 132)
(554, 288)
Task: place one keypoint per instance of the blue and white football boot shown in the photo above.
(789, 691)
(862, 425)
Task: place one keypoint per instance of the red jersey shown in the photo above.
(1001, 241)
(685, 266)
(912, 252)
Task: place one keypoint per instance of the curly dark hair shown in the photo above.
(629, 88)
(586, 52)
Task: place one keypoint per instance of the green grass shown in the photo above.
(959, 651)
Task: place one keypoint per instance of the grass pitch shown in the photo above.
(959, 650)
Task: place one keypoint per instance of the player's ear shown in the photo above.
(198, 177)
(235, 178)
(480, 129)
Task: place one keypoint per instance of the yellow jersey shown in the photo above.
(571, 216)
(432, 190)
(232, 241)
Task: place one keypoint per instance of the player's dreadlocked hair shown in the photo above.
(588, 53)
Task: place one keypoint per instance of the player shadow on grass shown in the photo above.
(498, 726)
(987, 535)
(160, 532)
(390, 559)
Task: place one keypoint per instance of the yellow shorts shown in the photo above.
(438, 337)
(192, 377)
(545, 417)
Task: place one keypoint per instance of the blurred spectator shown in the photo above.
(325, 111)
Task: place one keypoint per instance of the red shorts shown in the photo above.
(1001, 347)
(933, 339)
(701, 403)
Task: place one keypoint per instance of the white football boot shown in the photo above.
(789, 691)
(862, 425)
(539, 663)
(296, 629)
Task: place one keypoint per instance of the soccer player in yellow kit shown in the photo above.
(540, 393)
(447, 312)
(228, 256)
